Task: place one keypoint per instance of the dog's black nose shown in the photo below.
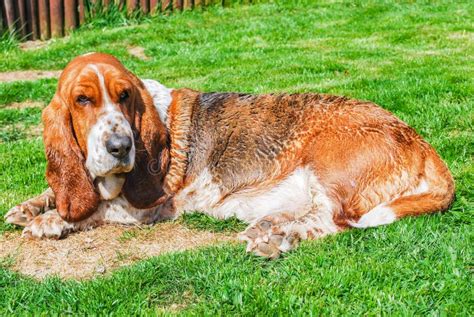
(118, 145)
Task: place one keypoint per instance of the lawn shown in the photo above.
(414, 59)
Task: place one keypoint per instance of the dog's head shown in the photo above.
(103, 136)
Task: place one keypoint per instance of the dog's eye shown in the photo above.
(123, 96)
(83, 100)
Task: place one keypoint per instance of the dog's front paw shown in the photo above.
(48, 225)
(268, 237)
(22, 214)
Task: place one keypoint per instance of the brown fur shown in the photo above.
(67, 126)
(362, 154)
(143, 187)
(76, 197)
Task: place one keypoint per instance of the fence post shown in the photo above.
(32, 17)
(43, 10)
(187, 4)
(10, 15)
(56, 17)
(70, 15)
(132, 5)
(82, 11)
(178, 4)
(22, 18)
(144, 6)
(154, 6)
(1, 21)
(165, 5)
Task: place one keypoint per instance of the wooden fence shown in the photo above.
(43, 19)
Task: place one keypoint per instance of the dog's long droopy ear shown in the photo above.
(143, 186)
(76, 196)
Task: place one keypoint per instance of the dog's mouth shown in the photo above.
(110, 186)
(121, 168)
(110, 183)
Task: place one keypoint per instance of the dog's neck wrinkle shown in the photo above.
(179, 128)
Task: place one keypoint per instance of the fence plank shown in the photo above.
(145, 6)
(178, 4)
(43, 17)
(187, 4)
(82, 12)
(154, 8)
(21, 19)
(166, 5)
(70, 15)
(10, 14)
(132, 5)
(32, 17)
(2, 23)
(56, 18)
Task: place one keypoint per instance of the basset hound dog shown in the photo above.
(293, 166)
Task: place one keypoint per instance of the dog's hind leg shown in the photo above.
(23, 213)
(435, 192)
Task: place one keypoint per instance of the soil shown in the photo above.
(28, 75)
(23, 105)
(99, 251)
(138, 52)
(33, 45)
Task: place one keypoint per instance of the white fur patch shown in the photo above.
(299, 194)
(201, 195)
(421, 188)
(99, 162)
(120, 211)
(110, 186)
(161, 97)
(380, 215)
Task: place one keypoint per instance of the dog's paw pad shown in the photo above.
(268, 238)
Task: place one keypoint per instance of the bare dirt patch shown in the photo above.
(138, 52)
(461, 35)
(23, 105)
(28, 75)
(33, 45)
(101, 250)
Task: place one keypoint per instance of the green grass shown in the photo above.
(18, 91)
(200, 221)
(414, 59)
